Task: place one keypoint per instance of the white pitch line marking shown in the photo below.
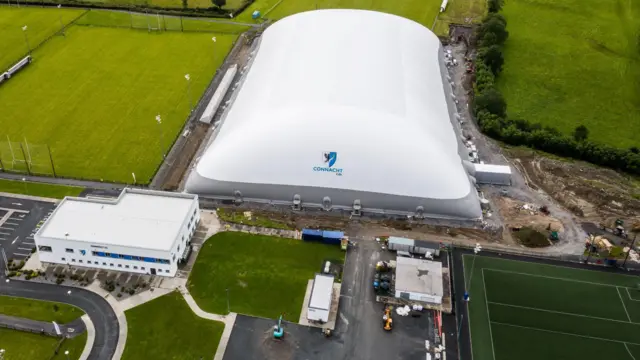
(623, 305)
(486, 303)
(551, 277)
(629, 351)
(564, 333)
(629, 294)
(558, 312)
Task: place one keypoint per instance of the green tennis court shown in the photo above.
(523, 310)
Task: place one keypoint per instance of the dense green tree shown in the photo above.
(581, 133)
(492, 57)
(491, 100)
(219, 3)
(495, 5)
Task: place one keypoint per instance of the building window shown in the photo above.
(80, 261)
(174, 257)
(88, 262)
(166, 271)
(69, 250)
(111, 264)
(119, 265)
(126, 266)
(73, 260)
(63, 259)
(135, 268)
(44, 248)
(104, 263)
(142, 268)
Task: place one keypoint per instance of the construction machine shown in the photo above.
(387, 321)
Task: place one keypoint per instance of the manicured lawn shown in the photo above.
(98, 91)
(166, 328)
(38, 310)
(141, 21)
(21, 345)
(422, 11)
(41, 23)
(266, 276)
(554, 74)
(460, 12)
(38, 189)
(576, 314)
(239, 218)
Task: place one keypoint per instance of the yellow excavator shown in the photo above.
(387, 321)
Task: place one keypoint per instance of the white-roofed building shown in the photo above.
(343, 109)
(141, 231)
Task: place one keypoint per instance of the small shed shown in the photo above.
(320, 299)
(419, 280)
(493, 174)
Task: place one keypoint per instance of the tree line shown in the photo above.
(490, 108)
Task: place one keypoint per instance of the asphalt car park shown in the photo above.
(359, 332)
(19, 221)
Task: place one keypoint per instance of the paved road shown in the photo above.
(62, 181)
(102, 316)
(71, 329)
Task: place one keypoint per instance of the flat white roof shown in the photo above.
(137, 218)
(364, 86)
(419, 276)
(321, 292)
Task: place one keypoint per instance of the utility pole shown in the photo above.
(60, 18)
(188, 77)
(228, 307)
(159, 120)
(630, 248)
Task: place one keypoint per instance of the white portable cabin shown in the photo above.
(320, 299)
(493, 174)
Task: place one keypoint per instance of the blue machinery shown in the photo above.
(278, 330)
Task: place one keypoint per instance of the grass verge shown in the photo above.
(39, 189)
(39, 310)
(265, 276)
(166, 328)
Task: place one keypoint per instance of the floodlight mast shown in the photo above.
(60, 18)
(161, 140)
(188, 77)
(26, 38)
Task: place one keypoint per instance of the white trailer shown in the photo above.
(320, 299)
(493, 174)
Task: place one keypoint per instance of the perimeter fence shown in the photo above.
(26, 158)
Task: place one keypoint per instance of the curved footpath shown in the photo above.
(103, 318)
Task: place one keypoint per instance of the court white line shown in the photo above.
(551, 265)
(486, 303)
(565, 333)
(629, 351)
(551, 277)
(623, 305)
(629, 294)
(559, 312)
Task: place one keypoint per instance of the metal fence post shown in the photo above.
(24, 156)
(53, 168)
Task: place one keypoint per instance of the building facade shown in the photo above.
(145, 232)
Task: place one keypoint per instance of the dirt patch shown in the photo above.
(592, 193)
(530, 237)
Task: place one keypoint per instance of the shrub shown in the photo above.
(131, 291)
(492, 57)
(59, 281)
(11, 274)
(56, 308)
(119, 295)
(491, 101)
(495, 6)
(110, 287)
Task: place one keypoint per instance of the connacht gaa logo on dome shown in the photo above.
(329, 158)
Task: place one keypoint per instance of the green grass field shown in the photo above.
(41, 23)
(98, 91)
(554, 74)
(266, 276)
(423, 12)
(157, 326)
(38, 310)
(19, 345)
(38, 189)
(527, 311)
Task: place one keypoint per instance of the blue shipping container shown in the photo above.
(311, 235)
(332, 237)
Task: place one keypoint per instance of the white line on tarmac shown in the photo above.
(14, 224)
(4, 233)
(25, 248)
(18, 254)
(14, 240)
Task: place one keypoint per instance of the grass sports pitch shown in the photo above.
(571, 62)
(526, 311)
(93, 96)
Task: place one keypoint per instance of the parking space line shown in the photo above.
(20, 248)
(18, 254)
(4, 233)
(14, 224)
(7, 228)
(15, 218)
